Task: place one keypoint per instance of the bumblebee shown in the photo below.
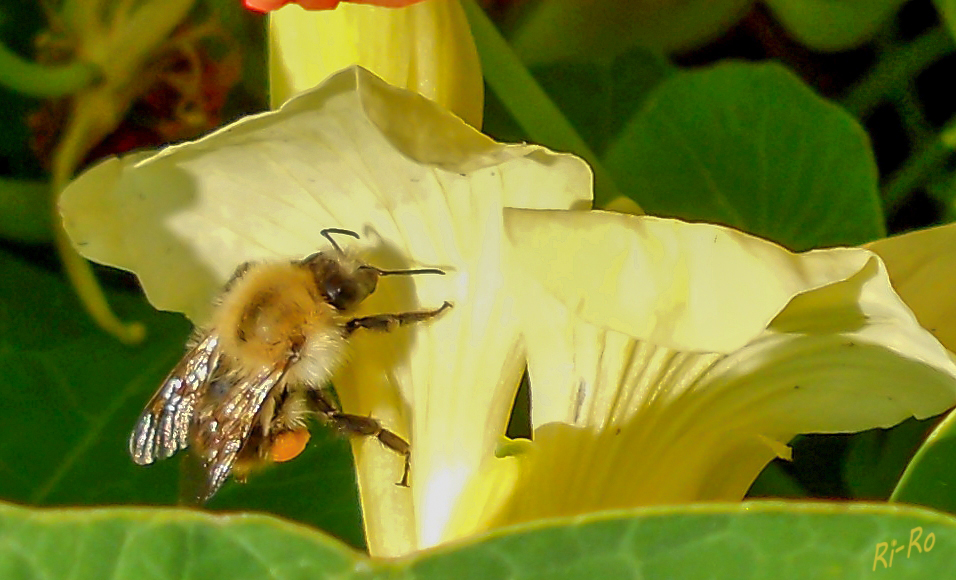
(243, 393)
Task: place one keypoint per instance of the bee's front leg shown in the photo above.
(386, 322)
(237, 275)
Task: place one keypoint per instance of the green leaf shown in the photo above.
(25, 210)
(774, 481)
(162, 544)
(829, 26)
(877, 458)
(72, 394)
(930, 478)
(570, 29)
(947, 11)
(729, 541)
(752, 147)
(750, 540)
(596, 96)
(317, 488)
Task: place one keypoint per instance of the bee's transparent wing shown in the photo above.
(225, 425)
(163, 428)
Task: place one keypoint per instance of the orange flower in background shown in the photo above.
(270, 5)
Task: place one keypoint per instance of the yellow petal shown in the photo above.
(616, 269)
(345, 155)
(922, 267)
(263, 187)
(650, 416)
(426, 47)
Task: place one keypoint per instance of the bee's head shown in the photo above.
(343, 282)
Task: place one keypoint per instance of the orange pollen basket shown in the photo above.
(289, 445)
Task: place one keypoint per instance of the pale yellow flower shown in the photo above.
(669, 362)
(421, 188)
(426, 47)
(922, 267)
(680, 375)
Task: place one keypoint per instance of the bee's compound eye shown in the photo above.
(341, 293)
(289, 444)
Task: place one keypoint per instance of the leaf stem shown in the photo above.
(894, 68)
(37, 80)
(919, 168)
(918, 129)
(528, 103)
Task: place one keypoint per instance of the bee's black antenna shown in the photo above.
(382, 272)
(327, 231)
(325, 234)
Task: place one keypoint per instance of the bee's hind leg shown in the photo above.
(369, 427)
(360, 426)
(386, 322)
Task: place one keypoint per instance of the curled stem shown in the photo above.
(126, 38)
(91, 294)
(66, 159)
(37, 80)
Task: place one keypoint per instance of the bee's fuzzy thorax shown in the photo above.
(275, 312)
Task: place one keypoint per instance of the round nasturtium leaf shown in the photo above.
(931, 475)
(825, 25)
(727, 541)
(752, 147)
(603, 29)
(947, 10)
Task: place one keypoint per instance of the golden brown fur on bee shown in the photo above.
(274, 312)
(272, 315)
